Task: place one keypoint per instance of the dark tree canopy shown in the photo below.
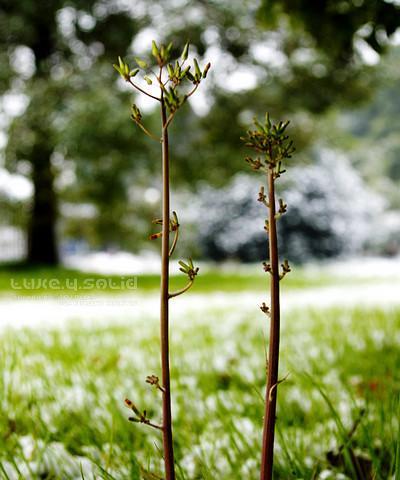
(333, 24)
(336, 31)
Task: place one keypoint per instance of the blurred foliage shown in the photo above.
(329, 213)
(369, 133)
(55, 35)
(333, 24)
(96, 154)
(325, 43)
(373, 132)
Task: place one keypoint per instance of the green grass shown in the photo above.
(35, 281)
(62, 396)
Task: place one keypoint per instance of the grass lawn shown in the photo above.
(18, 280)
(62, 414)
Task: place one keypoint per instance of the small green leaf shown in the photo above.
(148, 80)
(134, 72)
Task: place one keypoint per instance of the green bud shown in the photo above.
(283, 126)
(170, 71)
(163, 53)
(154, 49)
(184, 73)
(141, 63)
(148, 80)
(122, 68)
(190, 76)
(177, 69)
(205, 71)
(197, 69)
(267, 121)
(183, 265)
(134, 72)
(136, 115)
(185, 52)
(117, 68)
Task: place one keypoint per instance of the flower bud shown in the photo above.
(141, 63)
(205, 71)
(185, 52)
(154, 49)
(197, 70)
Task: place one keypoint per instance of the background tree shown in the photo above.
(59, 61)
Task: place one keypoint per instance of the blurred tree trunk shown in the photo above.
(42, 241)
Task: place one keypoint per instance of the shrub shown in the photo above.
(331, 212)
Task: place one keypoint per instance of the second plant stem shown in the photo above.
(273, 354)
(168, 447)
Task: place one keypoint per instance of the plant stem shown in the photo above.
(174, 242)
(273, 354)
(182, 290)
(164, 314)
(143, 91)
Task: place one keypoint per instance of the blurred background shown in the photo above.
(76, 176)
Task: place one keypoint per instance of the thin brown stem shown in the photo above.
(159, 81)
(174, 242)
(148, 133)
(273, 354)
(191, 92)
(144, 91)
(169, 119)
(153, 425)
(182, 290)
(164, 313)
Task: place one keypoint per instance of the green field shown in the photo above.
(62, 413)
(35, 281)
